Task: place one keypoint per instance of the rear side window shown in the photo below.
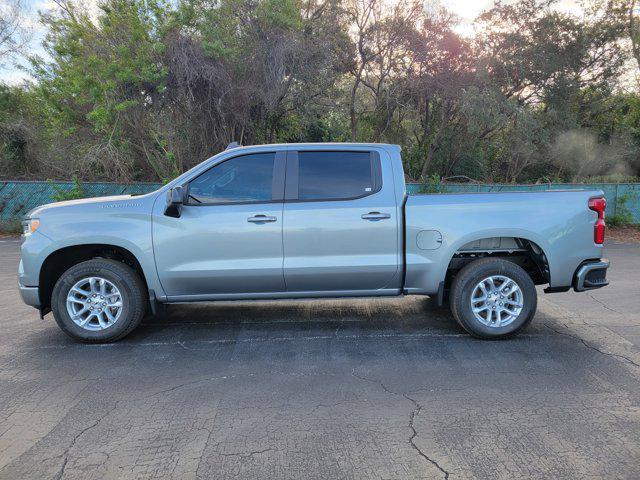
(335, 175)
(248, 178)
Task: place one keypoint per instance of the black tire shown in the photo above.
(470, 276)
(133, 294)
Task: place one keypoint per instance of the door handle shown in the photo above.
(261, 219)
(375, 216)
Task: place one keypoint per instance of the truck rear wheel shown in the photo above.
(493, 298)
(98, 301)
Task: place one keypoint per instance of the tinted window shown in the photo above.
(334, 175)
(241, 179)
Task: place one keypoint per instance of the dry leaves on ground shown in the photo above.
(625, 234)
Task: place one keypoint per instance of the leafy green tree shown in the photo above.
(103, 80)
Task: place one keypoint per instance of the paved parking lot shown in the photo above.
(326, 389)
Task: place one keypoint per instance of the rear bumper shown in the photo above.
(591, 275)
(30, 295)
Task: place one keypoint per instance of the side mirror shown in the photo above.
(175, 200)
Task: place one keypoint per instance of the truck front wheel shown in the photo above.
(98, 301)
(493, 298)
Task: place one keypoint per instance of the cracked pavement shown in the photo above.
(387, 388)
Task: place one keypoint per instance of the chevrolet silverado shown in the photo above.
(307, 221)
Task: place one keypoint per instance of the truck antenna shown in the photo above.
(232, 145)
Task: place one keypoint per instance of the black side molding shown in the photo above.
(441, 294)
(153, 303)
(556, 289)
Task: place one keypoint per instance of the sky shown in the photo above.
(12, 74)
(466, 10)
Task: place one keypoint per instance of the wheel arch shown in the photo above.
(521, 250)
(60, 260)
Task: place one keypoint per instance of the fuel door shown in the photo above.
(429, 240)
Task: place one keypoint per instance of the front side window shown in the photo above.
(334, 175)
(248, 178)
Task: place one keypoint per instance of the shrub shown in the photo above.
(433, 185)
(76, 191)
(623, 215)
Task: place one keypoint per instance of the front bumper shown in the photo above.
(591, 275)
(30, 295)
(32, 253)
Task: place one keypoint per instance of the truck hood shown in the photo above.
(100, 202)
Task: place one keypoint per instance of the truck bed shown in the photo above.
(559, 222)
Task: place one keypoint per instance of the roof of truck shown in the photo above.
(317, 144)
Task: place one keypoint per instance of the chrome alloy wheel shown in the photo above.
(496, 301)
(94, 303)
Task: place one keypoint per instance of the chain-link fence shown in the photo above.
(620, 196)
(17, 198)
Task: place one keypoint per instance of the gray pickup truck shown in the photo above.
(307, 221)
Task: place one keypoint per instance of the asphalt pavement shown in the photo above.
(354, 389)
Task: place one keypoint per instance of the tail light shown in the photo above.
(598, 205)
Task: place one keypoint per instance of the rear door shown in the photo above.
(340, 230)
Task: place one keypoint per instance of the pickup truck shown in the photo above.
(307, 221)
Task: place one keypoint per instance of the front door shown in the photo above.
(340, 223)
(228, 238)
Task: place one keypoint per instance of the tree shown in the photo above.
(143, 89)
(380, 34)
(104, 81)
(531, 50)
(150, 88)
(255, 72)
(14, 33)
(628, 13)
(439, 72)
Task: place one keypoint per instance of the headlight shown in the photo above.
(30, 225)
